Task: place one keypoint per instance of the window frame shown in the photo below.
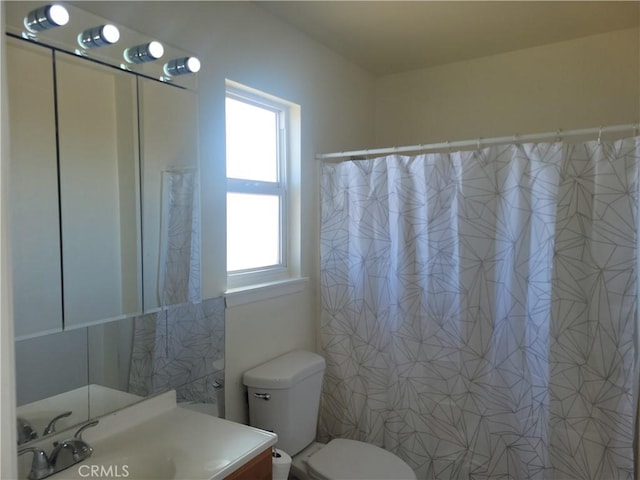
(279, 188)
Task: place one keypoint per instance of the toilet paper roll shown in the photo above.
(281, 464)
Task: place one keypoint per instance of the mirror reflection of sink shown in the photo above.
(84, 402)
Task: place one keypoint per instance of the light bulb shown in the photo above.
(99, 36)
(46, 17)
(181, 66)
(144, 53)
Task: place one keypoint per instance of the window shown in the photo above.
(258, 224)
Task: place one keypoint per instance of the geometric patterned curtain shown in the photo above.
(179, 262)
(182, 349)
(479, 309)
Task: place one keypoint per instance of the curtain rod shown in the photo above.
(480, 142)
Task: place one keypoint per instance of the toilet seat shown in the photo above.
(343, 459)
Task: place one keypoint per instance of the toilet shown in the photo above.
(284, 397)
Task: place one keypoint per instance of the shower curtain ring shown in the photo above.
(600, 135)
(558, 135)
(479, 143)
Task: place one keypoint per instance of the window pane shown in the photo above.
(251, 142)
(253, 231)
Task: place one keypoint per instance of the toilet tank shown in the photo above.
(284, 397)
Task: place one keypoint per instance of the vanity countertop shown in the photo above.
(156, 439)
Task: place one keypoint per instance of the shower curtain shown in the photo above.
(479, 309)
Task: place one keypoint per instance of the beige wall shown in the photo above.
(263, 330)
(581, 83)
(242, 42)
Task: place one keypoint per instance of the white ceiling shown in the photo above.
(386, 37)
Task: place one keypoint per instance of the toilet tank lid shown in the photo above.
(285, 370)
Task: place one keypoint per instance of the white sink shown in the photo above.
(159, 466)
(157, 440)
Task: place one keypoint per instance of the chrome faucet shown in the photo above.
(44, 466)
(40, 466)
(79, 449)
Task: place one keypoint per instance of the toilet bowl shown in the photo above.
(343, 459)
(284, 397)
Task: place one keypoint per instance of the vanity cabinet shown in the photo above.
(259, 468)
(33, 191)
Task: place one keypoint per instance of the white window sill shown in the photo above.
(263, 291)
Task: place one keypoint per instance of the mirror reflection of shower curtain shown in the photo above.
(179, 265)
(178, 281)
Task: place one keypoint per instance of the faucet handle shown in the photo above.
(26, 432)
(82, 449)
(40, 466)
(51, 427)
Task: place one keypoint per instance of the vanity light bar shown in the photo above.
(56, 15)
(182, 66)
(99, 36)
(46, 17)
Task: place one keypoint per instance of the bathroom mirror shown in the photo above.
(170, 194)
(34, 214)
(93, 135)
(85, 142)
(51, 379)
(95, 370)
(99, 191)
(73, 375)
